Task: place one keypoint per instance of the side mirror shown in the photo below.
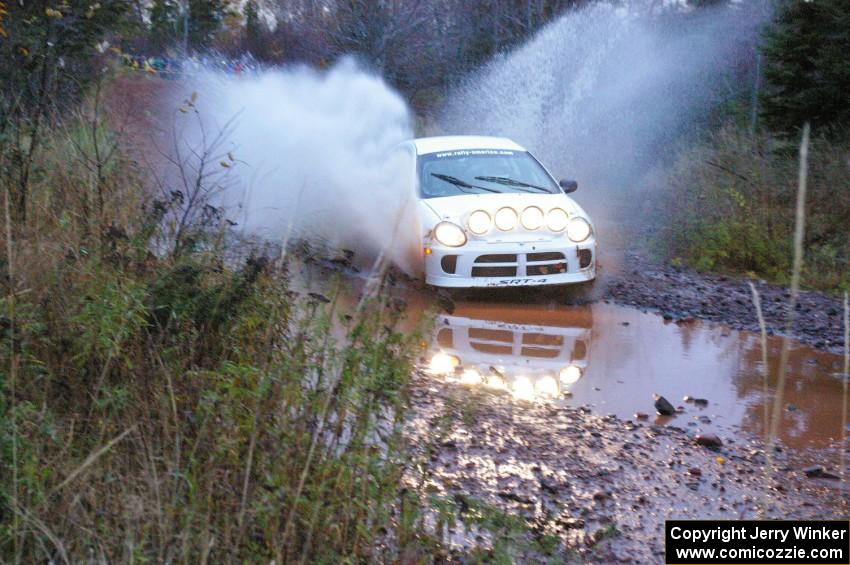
(568, 186)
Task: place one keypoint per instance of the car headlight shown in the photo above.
(557, 219)
(479, 222)
(570, 374)
(578, 229)
(532, 218)
(449, 234)
(506, 219)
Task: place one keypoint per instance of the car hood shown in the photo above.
(457, 207)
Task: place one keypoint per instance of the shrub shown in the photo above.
(729, 204)
(163, 406)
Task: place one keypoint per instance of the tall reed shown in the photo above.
(796, 269)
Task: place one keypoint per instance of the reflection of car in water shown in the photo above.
(530, 352)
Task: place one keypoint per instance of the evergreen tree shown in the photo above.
(807, 66)
(204, 21)
(253, 27)
(165, 24)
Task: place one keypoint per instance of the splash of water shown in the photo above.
(315, 157)
(603, 94)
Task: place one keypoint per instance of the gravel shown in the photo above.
(680, 293)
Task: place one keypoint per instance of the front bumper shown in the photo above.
(482, 264)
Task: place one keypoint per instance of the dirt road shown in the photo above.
(531, 482)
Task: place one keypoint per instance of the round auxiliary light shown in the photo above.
(506, 219)
(479, 222)
(557, 219)
(570, 374)
(578, 229)
(449, 234)
(532, 218)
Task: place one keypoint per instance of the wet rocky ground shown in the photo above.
(513, 481)
(681, 293)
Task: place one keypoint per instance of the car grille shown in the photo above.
(494, 342)
(545, 256)
(506, 342)
(511, 265)
(493, 271)
(500, 258)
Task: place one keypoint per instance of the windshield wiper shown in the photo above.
(462, 183)
(515, 183)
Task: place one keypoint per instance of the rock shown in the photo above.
(701, 402)
(445, 301)
(791, 408)
(695, 471)
(818, 472)
(708, 440)
(316, 297)
(641, 415)
(600, 495)
(663, 406)
(510, 495)
(549, 486)
(570, 523)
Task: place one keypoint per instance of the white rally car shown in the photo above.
(493, 216)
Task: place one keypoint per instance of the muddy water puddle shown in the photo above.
(613, 359)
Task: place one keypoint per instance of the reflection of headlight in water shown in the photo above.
(470, 377)
(522, 389)
(443, 364)
(546, 386)
(570, 375)
(496, 382)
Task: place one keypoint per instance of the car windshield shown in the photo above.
(482, 171)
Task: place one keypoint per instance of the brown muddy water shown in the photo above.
(613, 359)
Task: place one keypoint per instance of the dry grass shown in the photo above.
(796, 271)
(186, 407)
(845, 377)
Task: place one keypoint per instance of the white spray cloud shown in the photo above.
(603, 93)
(315, 157)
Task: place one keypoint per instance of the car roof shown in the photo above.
(426, 145)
